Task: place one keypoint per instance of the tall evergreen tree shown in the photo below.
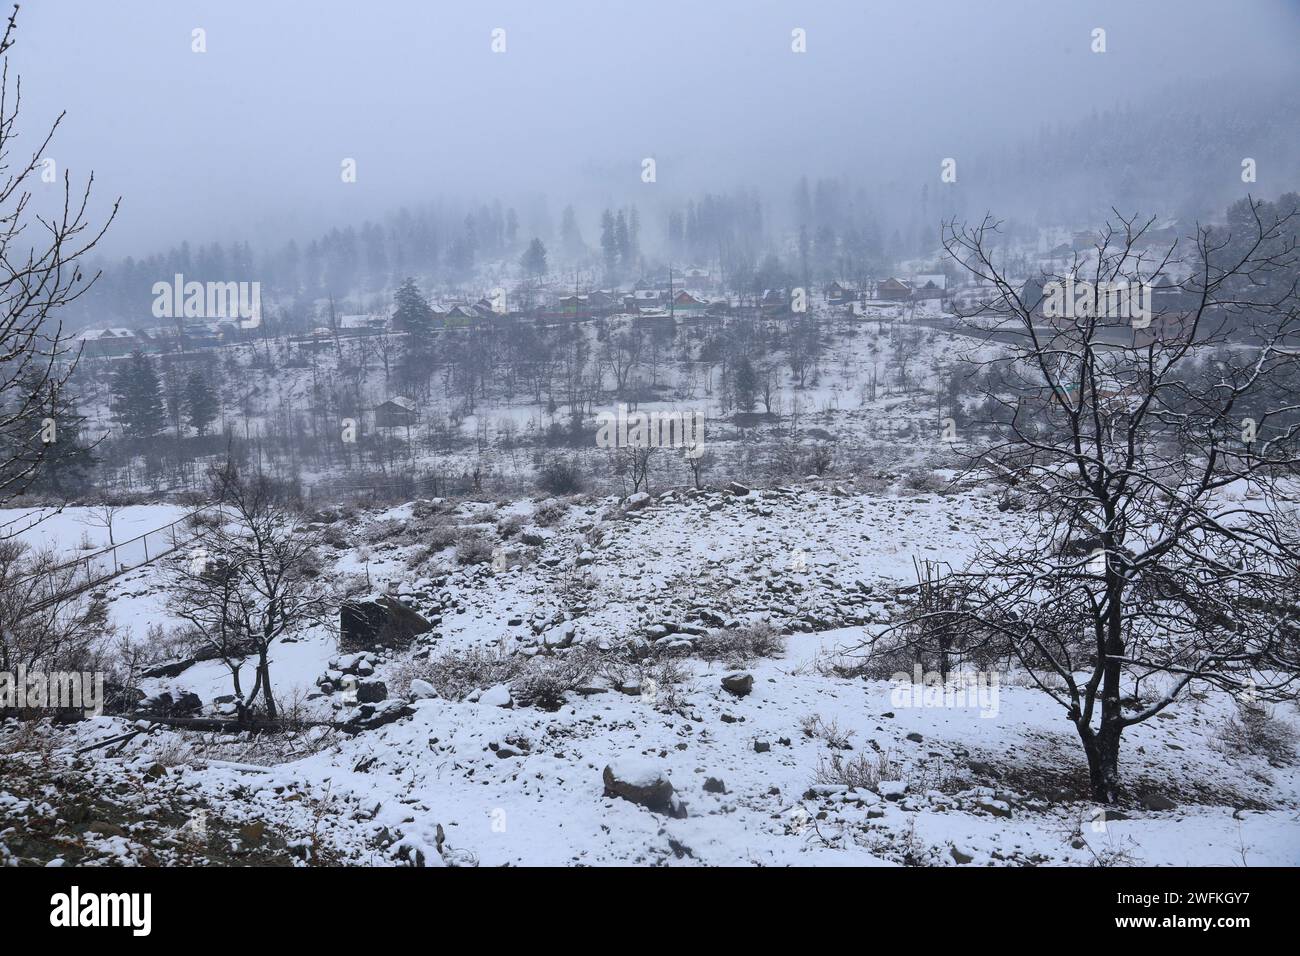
(570, 236)
(411, 311)
(200, 403)
(746, 385)
(137, 398)
(45, 437)
(621, 242)
(533, 260)
(608, 245)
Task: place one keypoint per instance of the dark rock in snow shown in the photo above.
(714, 785)
(641, 782)
(370, 716)
(169, 668)
(738, 683)
(1156, 801)
(371, 690)
(384, 622)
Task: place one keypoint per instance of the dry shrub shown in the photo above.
(456, 674)
(473, 548)
(1254, 731)
(865, 769)
(546, 682)
(740, 646)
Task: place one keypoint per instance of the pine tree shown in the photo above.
(608, 246)
(411, 312)
(746, 385)
(533, 261)
(621, 242)
(200, 403)
(137, 398)
(570, 236)
(44, 437)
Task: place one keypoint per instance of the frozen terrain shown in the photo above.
(814, 765)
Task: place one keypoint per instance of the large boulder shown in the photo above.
(383, 622)
(370, 716)
(738, 683)
(371, 690)
(642, 782)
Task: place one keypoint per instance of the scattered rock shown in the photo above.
(999, 808)
(738, 683)
(1156, 801)
(422, 689)
(498, 696)
(384, 622)
(644, 783)
(371, 690)
(891, 789)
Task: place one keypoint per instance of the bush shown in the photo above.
(473, 549)
(736, 648)
(546, 682)
(864, 770)
(926, 481)
(813, 726)
(1254, 731)
(560, 476)
(548, 513)
(455, 674)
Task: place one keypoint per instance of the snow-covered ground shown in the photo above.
(754, 777)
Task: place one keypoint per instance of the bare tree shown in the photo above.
(1153, 463)
(249, 581)
(103, 515)
(48, 620)
(39, 274)
(636, 460)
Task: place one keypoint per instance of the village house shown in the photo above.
(840, 292)
(107, 343)
(696, 279)
(929, 286)
(686, 302)
(397, 412)
(893, 290)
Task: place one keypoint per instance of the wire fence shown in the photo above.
(88, 570)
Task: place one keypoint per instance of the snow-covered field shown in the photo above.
(753, 777)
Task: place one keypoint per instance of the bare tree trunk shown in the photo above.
(264, 675)
(1102, 749)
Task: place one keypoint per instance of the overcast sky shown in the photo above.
(246, 140)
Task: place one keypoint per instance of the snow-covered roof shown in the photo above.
(93, 335)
